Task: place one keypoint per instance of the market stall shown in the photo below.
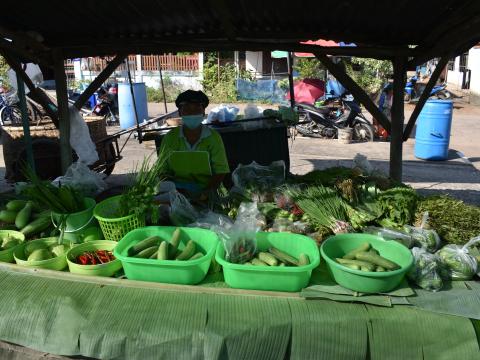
(335, 264)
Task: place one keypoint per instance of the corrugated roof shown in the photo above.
(93, 27)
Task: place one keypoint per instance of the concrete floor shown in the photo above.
(459, 176)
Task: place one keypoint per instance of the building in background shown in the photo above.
(464, 73)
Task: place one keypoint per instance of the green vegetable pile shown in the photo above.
(455, 221)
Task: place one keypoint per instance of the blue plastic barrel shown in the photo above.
(125, 104)
(433, 130)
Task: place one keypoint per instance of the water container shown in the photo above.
(433, 130)
(125, 104)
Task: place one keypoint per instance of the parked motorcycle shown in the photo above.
(411, 91)
(106, 107)
(324, 121)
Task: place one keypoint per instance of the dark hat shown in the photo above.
(192, 96)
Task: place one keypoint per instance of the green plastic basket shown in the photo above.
(56, 263)
(7, 255)
(108, 269)
(115, 228)
(361, 281)
(168, 271)
(274, 278)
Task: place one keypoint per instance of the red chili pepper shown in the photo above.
(82, 259)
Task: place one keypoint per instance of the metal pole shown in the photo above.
(25, 122)
(396, 142)
(161, 81)
(139, 131)
(290, 79)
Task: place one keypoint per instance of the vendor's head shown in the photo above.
(191, 106)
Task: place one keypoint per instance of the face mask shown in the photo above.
(192, 121)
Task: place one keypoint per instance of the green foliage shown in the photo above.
(371, 74)
(219, 83)
(3, 72)
(309, 68)
(172, 90)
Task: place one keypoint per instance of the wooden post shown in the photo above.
(63, 113)
(358, 93)
(290, 79)
(396, 142)
(27, 139)
(424, 97)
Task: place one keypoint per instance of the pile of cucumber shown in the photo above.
(275, 257)
(8, 242)
(38, 251)
(154, 247)
(366, 258)
(24, 216)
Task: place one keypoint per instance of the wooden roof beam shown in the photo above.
(225, 17)
(357, 92)
(99, 80)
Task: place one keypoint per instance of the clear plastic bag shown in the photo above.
(426, 270)
(239, 238)
(391, 234)
(182, 212)
(457, 262)
(212, 220)
(80, 177)
(259, 176)
(222, 113)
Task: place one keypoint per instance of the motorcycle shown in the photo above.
(106, 107)
(324, 121)
(411, 92)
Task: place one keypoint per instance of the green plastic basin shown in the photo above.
(274, 278)
(107, 269)
(168, 271)
(56, 263)
(361, 281)
(7, 255)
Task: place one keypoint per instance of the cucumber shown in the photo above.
(163, 251)
(58, 250)
(380, 269)
(351, 254)
(267, 258)
(365, 268)
(146, 253)
(283, 257)
(144, 244)
(23, 216)
(36, 226)
(8, 216)
(281, 264)
(198, 255)
(188, 251)
(174, 242)
(154, 255)
(44, 213)
(377, 260)
(39, 254)
(303, 260)
(356, 262)
(16, 205)
(258, 262)
(374, 251)
(353, 266)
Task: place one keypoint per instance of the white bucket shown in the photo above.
(345, 135)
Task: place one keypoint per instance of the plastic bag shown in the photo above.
(80, 138)
(222, 113)
(182, 212)
(457, 262)
(391, 234)
(80, 177)
(258, 176)
(239, 238)
(212, 220)
(426, 270)
(252, 111)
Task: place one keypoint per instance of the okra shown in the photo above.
(351, 254)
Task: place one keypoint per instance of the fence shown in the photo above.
(168, 62)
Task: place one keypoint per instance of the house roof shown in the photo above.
(383, 29)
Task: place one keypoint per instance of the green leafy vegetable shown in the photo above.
(398, 205)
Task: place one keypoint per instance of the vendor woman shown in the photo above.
(193, 153)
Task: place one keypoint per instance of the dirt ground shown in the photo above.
(459, 176)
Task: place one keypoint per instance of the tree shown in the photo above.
(309, 68)
(3, 72)
(370, 74)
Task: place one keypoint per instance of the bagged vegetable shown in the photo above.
(391, 234)
(457, 262)
(182, 212)
(425, 271)
(80, 177)
(239, 238)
